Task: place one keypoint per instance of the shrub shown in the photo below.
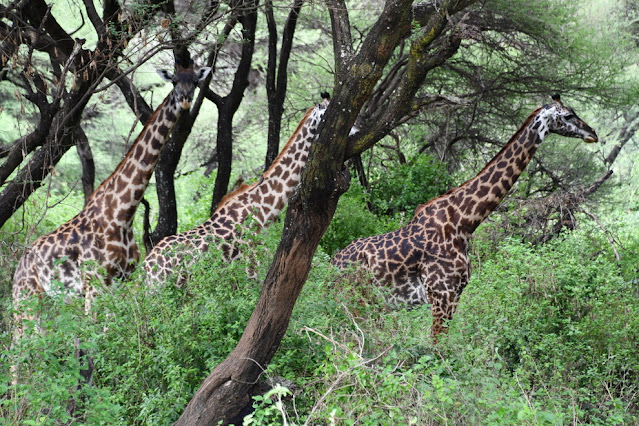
(540, 337)
(48, 390)
(151, 348)
(543, 335)
(404, 187)
(354, 220)
(394, 194)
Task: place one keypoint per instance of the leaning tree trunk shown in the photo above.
(226, 391)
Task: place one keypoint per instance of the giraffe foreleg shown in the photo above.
(443, 306)
(19, 331)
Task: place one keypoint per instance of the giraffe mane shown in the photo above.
(246, 187)
(421, 207)
(288, 144)
(515, 136)
(242, 188)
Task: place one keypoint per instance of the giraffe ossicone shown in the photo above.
(263, 201)
(426, 261)
(102, 232)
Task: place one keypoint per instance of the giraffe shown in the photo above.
(426, 261)
(102, 232)
(263, 200)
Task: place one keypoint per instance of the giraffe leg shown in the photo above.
(19, 331)
(443, 305)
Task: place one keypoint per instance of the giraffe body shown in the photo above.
(426, 261)
(101, 234)
(262, 201)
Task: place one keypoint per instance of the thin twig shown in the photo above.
(605, 231)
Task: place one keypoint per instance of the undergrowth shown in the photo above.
(543, 335)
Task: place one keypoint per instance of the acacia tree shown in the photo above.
(59, 91)
(243, 13)
(53, 87)
(58, 74)
(435, 38)
(515, 57)
(277, 74)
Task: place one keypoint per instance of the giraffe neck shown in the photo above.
(468, 205)
(120, 194)
(267, 198)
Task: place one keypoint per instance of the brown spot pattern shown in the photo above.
(426, 261)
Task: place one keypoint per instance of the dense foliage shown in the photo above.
(392, 196)
(540, 337)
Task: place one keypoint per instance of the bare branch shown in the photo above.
(97, 23)
(607, 233)
(342, 39)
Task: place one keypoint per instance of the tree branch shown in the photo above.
(277, 76)
(342, 39)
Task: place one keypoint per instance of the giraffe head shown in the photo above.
(185, 80)
(564, 121)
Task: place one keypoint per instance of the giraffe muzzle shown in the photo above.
(591, 139)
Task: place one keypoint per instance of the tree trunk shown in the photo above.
(228, 106)
(277, 76)
(226, 391)
(88, 165)
(165, 179)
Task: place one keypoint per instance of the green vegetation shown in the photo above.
(541, 337)
(544, 333)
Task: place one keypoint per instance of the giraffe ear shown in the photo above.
(202, 73)
(166, 76)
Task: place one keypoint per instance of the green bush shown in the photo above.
(564, 319)
(48, 369)
(393, 197)
(152, 347)
(540, 337)
(402, 188)
(354, 220)
(543, 335)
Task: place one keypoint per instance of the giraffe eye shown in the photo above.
(569, 117)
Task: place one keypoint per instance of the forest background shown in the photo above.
(547, 330)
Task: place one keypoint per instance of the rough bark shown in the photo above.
(165, 179)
